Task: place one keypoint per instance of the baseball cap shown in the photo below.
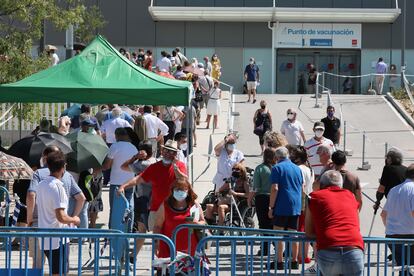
(319, 125)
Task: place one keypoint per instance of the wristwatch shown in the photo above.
(271, 208)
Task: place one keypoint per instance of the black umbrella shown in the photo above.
(89, 151)
(30, 148)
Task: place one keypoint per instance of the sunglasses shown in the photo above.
(290, 113)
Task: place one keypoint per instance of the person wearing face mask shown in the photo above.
(213, 105)
(180, 207)
(216, 71)
(228, 156)
(314, 143)
(293, 129)
(119, 152)
(161, 175)
(332, 126)
(262, 121)
(251, 76)
(142, 195)
(182, 145)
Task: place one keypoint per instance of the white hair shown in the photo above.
(282, 153)
(331, 178)
(116, 112)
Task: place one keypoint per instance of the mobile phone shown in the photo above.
(189, 218)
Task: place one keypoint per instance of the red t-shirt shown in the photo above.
(161, 178)
(172, 219)
(335, 218)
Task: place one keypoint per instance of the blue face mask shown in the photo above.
(231, 147)
(180, 195)
(331, 114)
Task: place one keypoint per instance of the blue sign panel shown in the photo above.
(321, 42)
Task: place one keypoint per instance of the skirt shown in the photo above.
(213, 107)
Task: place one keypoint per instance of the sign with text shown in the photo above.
(305, 35)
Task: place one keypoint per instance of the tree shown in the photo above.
(21, 23)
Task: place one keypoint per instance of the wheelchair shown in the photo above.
(232, 219)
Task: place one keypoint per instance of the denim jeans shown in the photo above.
(83, 215)
(129, 194)
(340, 262)
(401, 250)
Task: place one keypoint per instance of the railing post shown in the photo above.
(365, 165)
(317, 105)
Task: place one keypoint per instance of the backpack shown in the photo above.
(89, 185)
(140, 128)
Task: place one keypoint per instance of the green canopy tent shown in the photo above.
(100, 74)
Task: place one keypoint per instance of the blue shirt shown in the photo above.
(399, 208)
(124, 115)
(289, 179)
(69, 184)
(251, 72)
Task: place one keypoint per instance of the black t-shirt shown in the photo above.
(332, 129)
(312, 77)
(392, 175)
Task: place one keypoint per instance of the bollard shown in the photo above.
(365, 164)
(348, 152)
(317, 105)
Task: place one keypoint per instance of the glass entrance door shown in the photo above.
(293, 67)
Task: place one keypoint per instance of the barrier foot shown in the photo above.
(349, 152)
(365, 166)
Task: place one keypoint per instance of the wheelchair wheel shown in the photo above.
(210, 198)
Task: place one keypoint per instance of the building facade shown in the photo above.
(338, 37)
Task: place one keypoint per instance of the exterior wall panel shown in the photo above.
(169, 33)
(115, 14)
(140, 26)
(228, 34)
(199, 34)
(257, 35)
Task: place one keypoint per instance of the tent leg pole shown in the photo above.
(189, 131)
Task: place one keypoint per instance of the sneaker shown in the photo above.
(307, 260)
(312, 270)
(279, 266)
(294, 265)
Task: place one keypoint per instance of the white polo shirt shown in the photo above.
(292, 132)
(120, 152)
(50, 195)
(109, 127)
(164, 64)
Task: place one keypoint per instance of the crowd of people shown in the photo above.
(301, 185)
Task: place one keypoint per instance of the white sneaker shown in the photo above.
(312, 270)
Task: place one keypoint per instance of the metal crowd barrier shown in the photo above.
(102, 250)
(238, 254)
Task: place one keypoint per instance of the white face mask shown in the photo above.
(290, 116)
(231, 147)
(180, 195)
(166, 162)
(318, 133)
(41, 163)
(251, 62)
(184, 146)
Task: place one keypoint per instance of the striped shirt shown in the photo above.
(311, 147)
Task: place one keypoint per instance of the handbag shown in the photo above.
(198, 96)
(258, 130)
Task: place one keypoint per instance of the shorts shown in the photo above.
(251, 85)
(57, 262)
(286, 222)
(301, 224)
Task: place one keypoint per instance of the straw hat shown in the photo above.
(171, 145)
(50, 47)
